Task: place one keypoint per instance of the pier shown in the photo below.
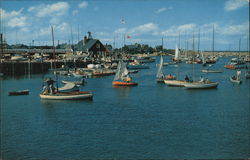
(14, 68)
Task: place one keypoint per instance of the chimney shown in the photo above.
(85, 40)
(89, 35)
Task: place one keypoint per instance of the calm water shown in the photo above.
(148, 121)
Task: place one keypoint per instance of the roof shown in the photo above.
(89, 44)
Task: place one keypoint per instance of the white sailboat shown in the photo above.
(160, 76)
(200, 84)
(122, 77)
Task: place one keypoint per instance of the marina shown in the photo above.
(124, 80)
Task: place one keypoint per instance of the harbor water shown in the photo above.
(149, 121)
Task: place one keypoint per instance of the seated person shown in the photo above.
(186, 78)
(169, 76)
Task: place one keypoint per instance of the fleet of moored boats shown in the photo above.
(122, 78)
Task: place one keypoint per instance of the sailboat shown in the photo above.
(200, 84)
(160, 76)
(122, 77)
(176, 56)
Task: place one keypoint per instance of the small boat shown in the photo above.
(201, 85)
(68, 87)
(235, 80)
(68, 96)
(137, 65)
(176, 83)
(17, 93)
(81, 82)
(122, 77)
(211, 71)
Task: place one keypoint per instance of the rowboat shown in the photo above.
(211, 71)
(201, 85)
(17, 93)
(234, 80)
(67, 96)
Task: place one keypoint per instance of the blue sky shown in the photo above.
(145, 21)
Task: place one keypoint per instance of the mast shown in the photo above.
(199, 42)
(213, 42)
(193, 57)
(52, 31)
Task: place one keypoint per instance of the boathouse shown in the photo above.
(94, 47)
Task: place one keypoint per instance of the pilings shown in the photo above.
(13, 68)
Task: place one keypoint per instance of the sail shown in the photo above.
(203, 59)
(159, 71)
(118, 72)
(124, 70)
(176, 52)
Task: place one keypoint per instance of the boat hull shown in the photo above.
(122, 83)
(201, 85)
(177, 83)
(212, 71)
(18, 93)
(235, 81)
(68, 96)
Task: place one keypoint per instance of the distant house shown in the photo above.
(93, 47)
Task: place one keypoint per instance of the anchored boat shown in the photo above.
(67, 96)
(122, 77)
(201, 85)
(18, 93)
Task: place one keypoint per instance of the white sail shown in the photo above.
(121, 71)
(176, 56)
(124, 70)
(203, 59)
(118, 72)
(159, 71)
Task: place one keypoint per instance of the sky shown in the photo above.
(143, 21)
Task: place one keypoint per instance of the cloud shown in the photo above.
(239, 29)
(174, 30)
(149, 28)
(163, 9)
(83, 4)
(160, 10)
(17, 22)
(8, 15)
(232, 5)
(56, 9)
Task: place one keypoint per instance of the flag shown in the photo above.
(128, 37)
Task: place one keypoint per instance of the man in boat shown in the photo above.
(201, 79)
(206, 81)
(50, 83)
(127, 79)
(169, 76)
(186, 78)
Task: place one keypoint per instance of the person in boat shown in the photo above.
(50, 83)
(238, 73)
(127, 79)
(206, 81)
(201, 79)
(186, 78)
(169, 76)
